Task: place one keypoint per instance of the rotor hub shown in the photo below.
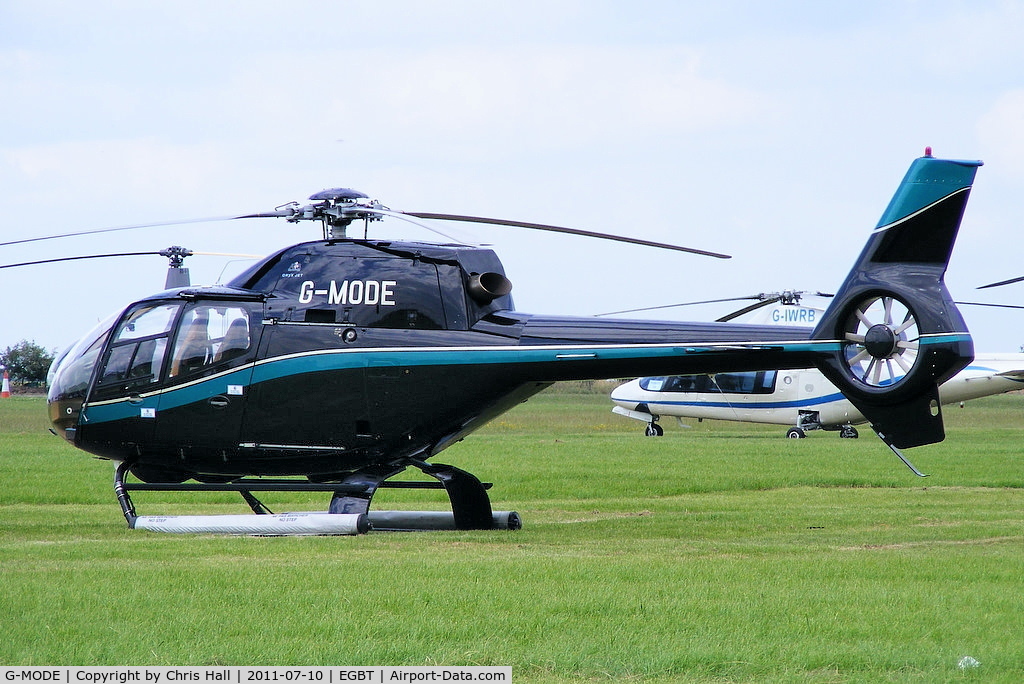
(336, 208)
(176, 255)
(880, 341)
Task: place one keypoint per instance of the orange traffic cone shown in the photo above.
(6, 389)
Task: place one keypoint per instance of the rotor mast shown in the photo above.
(177, 274)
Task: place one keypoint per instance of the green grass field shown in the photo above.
(718, 553)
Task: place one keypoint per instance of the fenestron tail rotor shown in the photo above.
(881, 341)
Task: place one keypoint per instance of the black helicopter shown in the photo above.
(336, 364)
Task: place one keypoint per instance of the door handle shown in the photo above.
(219, 401)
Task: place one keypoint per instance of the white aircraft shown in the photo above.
(803, 399)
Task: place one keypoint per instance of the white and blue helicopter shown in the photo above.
(803, 399)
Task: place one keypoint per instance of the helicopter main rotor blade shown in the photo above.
(209, 219)
(76, 258)
(1001, 282)
(672, 306)
(998, 306)
(230, 254)
(277, 213)
(163, 253)
(560, 229)
(748, 309)
(786, 297)
(404, 216)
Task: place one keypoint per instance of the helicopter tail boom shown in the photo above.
(899, 334)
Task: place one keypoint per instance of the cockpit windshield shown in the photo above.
(69, 376)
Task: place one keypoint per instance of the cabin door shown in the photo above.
(209, 368)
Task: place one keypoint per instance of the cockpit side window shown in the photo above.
(138, 348)
(210, 336)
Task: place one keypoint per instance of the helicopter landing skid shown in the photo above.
(471, 507)
(348, 513)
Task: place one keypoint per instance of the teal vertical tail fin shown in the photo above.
(898, 331)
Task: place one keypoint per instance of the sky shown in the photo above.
(774, 132)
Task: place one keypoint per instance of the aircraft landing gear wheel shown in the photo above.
(795, 433)
(848, 432)
(654, 430)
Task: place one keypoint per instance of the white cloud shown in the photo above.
(522, 100)
(774, 132)
(110, 174)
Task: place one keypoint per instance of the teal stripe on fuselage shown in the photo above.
(309, 362)
(174, 397)
(333, 360)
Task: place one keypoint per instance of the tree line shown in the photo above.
(27, 363)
